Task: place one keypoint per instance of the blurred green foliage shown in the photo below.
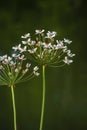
(66, 90)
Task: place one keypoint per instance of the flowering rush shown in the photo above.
(46, 49)
(12, 70)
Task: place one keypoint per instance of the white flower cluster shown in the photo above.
(12, 70)
(45, 49)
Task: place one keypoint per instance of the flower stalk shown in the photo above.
(43, 97)
(14, 107)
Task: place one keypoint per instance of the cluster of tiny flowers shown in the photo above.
(12, 70)
(46, 49)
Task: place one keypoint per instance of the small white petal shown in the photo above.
(67, 61)
(24, 42)
(28, 65)
(32, 51)
(26, 36)
(16, 70)
(35, 68)
(67, 41)
(22, 57)
(36, 73)
(39, 31)
(51, 34)
(17, 47)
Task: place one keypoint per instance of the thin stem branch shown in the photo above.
(43, 98)
(14, 107)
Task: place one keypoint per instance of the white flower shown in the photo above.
(29, 40)
(65, 49)
(70, 54)
(51, 34)
(22, 57)
(60, 44)
(55, 47)
(24, 42)
(39, 31)
(40, 56)
(67, 61)
(12, 63)
(26, 36)
(1, 58)
(39, 43)
(67, 41)
(28, 65)
(16, 70)
(17, 47)
(32, 51)
(26, 70)
(5, 56)
(48, 45)
(15, 55)
(9, 58)
(31, 43)
(23, 49)
(36, 73)
(35, 68)
(1, 67)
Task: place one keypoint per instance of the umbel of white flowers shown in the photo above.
(12, 70)
(46, 49)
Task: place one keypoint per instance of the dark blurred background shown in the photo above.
(66, 90)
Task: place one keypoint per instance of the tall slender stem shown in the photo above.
(14, 107)
(43, 98)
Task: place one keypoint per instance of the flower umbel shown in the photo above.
(12, 70)
(46, 49)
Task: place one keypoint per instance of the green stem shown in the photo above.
(14, 108)
(43, 98)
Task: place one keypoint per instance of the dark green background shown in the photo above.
(66, 88)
